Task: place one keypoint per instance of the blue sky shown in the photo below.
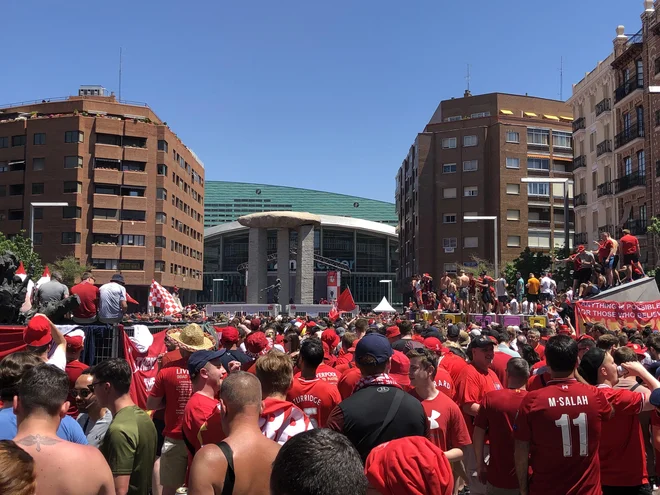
(325, 95)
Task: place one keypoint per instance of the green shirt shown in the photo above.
(129, 447)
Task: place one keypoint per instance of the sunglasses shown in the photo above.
(92, 385)
(84, 393)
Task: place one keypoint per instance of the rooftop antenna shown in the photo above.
(467, 78)
(120, 50)
(561, 79)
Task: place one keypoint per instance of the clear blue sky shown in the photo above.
(326, 95)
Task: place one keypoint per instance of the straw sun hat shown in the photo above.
(191, 338)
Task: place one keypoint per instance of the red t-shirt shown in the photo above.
(447, 427)
(604, 249)
(89, 300)
(496, 415)
(538, 365)
(202, 421)
(317, 398)
(499, 365)
(537, 382)
(629, 244)
(562, 423)
(540, 350)
(173, 358)
(472, 387)
(454, 364)
(347, 382)
(622, 454)
(173, 383)
(444, 383)
(325, 373)
(73, 370)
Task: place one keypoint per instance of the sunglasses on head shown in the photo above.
(84, 393)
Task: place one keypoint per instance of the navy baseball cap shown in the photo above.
(198, 360)
(375, 345)
(654, 399)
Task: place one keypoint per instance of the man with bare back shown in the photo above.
(61, 466)
(445, 281)
(463, 291)
(242, 463)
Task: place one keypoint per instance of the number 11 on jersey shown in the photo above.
(564, 422)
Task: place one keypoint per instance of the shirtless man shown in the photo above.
(61, 466)
(445, 282)
(463, 291)
(251, 453)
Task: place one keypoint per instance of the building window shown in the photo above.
(469, 141)
(470, 191)
(470, 242)
(162, 169)
(627, 165)
(105, 213)
(37, 188)
(450, 267)
(512, 137)
(449, 192)
(480, 114)
(641, 163)
(131, 240)
(512, 162)
(104, 264)
(16, 189)
(161, 241)
(133, 166)
(38, 213)
(159, 266)
(38, 238)
(470, 165)
(74, 137)
(106, 189)
(538, 163)
(449, 168)
(70, 237)
(594, 180)
(130, 265)
(3, 190)
(455, 118)
(448, 143)
(38, 164)
(161, 193)
(640, 73)
(15, 214)
(449, 242)
(449, 218)
(133, 215)
(513, 214)
(4, 167)
(134, 192)
(4, 142)
(71, 186)
(513, 188)
(592, 142)
(562, 139)
(39, 138)
(71, 212)
(18, 140)
(73, 162)
(470, 214)
(162, 145)
(538, 137)
(161, 217)
(17, 166)
(513, 241)
(538, 189)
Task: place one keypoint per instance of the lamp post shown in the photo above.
(215, 293)
(495, 243)
(389, 289)
(550, 181)
(40, 205)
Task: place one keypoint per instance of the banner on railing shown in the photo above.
(616, 315)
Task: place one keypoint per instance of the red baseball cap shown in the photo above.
(74, 343)
(257, 343)
(330, 337)
(640, 350)
(433, 344)
(392, 332)
(400, 368)
(37, 332)
(229, 335)
(255, 324)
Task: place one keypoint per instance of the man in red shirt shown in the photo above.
(558, 429)
(348, 380)
(89, 299)
(443, 380)
(534, 339)
(171, 391)
(496, 416)
(474, 382)
(454, 362)
(629, 246)
(622, 454)
(446, 424)
(74, 367)
(316, 397)
(347, 353)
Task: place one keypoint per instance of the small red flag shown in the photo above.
(130, 299)
(345, 301)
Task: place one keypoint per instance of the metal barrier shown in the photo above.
(321, 310)
(243, 309)
(117, 344)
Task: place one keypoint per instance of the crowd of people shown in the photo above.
(375, 404)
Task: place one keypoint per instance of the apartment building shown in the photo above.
(594, 166)
(470, 160)
(134, 191)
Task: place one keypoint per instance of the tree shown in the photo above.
(654, 231)
(71, 269)
(21, 246)
(528, 262)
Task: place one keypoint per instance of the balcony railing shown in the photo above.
(580, 238)
(624, 137)
(636, 227)
(605, 189)
(629, 181)
(657, 168)
(610, 229)
(579, 124)
(580, 200)
(627, 87)
(604, 105)
(579, 161)
(604, 147)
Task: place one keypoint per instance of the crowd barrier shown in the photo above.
(480, 319)
(243, 309)
(315, 310)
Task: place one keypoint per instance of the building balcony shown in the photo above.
(580, 200)
(604, 147)
(610, 229)
(627, 88)
(109, 201)
(605, 105)
(102, 226)
(133, 153)
(630, 181)
(109, 126)
(108, 152)
(580, 238)
(135, 178)
(134, 203)
(133, 227)
(629, 51)
(605, 189)
(579, 124)
(579, 162)
(539, 223)
(633, 132)
(133, 253)
(105, 251)
(636, 227)
(107, 176)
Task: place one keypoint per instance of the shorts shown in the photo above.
(503, 299)
(582, 276)
(463, 293)
(544, 296)
(533, 298)
(627, 490)
(630, 258)
(485, 297)
(614, 261)
(173, 463)
(160, 426)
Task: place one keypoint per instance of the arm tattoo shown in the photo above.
(37, 440)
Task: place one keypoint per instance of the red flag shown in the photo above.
(130, 299)
(333, 314)
(345, 301)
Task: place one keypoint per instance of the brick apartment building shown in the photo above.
(470, 160)
(135, 192)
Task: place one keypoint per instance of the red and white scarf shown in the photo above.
(382, 379)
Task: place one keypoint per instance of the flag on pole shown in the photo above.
(345, 301)
(20, 271)
(130, 299)
(159, 297)
(45, 277)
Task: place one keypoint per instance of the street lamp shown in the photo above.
(550, 181)
(215, 293)
(389, 289)
(473, 218)
(40, 205)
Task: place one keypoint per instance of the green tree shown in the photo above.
(528, 262)
(654, 231)
(21, 246)
(71, 269)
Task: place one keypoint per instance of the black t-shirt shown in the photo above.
(404, 345)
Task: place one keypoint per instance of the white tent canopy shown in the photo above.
(384, 307)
